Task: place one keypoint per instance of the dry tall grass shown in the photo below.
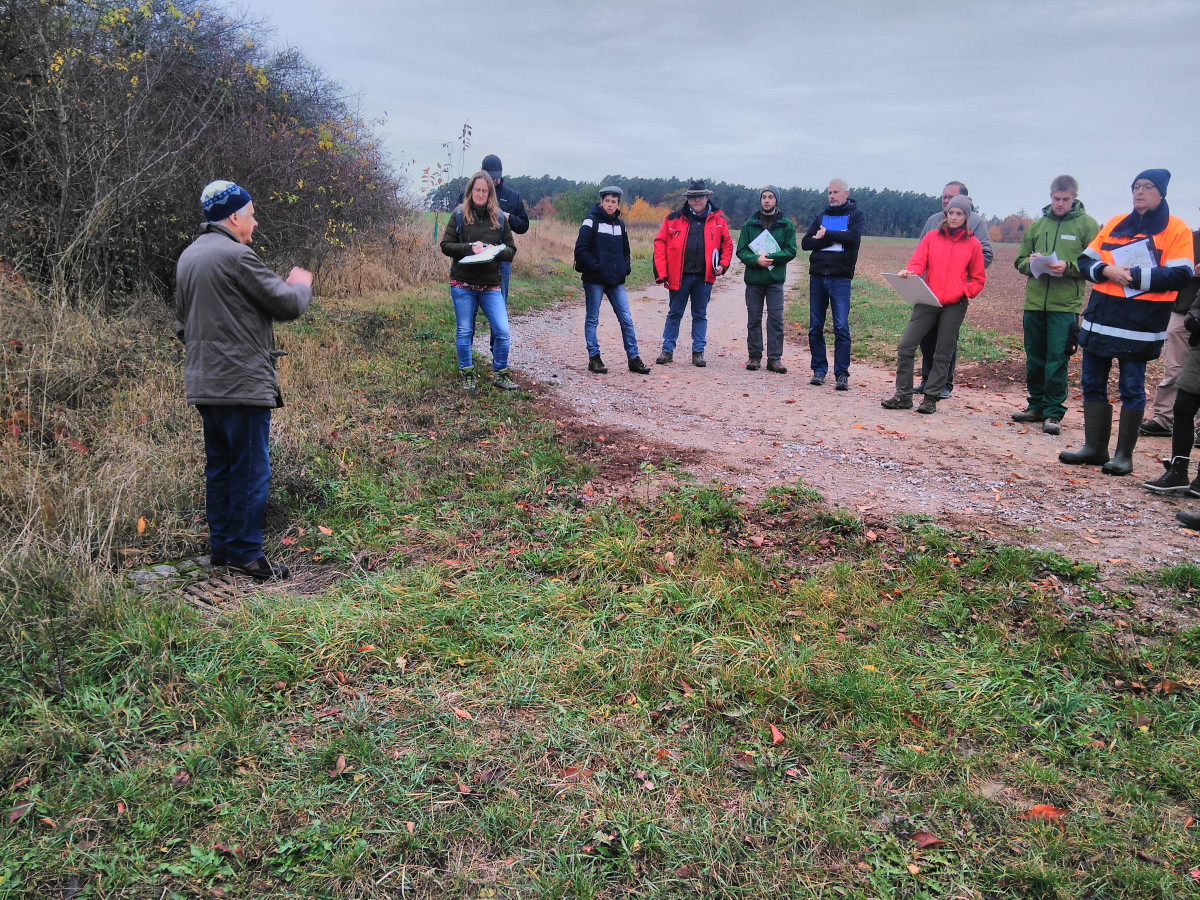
(550, 239)
(408, 256)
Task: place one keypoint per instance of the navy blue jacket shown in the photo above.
(602, 248)
(511, 205)
(835, 263)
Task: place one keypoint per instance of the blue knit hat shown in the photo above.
(221, 199)
(1160, 177)
(774, 190)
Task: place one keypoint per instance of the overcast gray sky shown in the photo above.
(1000, 95)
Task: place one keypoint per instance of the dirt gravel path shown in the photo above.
(968, 466)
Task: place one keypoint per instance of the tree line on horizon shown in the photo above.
(889, 213)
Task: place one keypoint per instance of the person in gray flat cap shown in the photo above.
(602, 258)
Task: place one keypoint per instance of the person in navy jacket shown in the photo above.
(602, 258)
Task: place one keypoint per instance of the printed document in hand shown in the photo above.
(911, 289)
(1139, 253)
(489, 253)
(1040, 265)
(764, 245)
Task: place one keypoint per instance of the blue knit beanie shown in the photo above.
(221, 199)
(1160, 177)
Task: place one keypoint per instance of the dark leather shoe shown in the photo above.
(774, 365)
(1189, 519)
(1028, 415)
(928, 406)
(817, 380)
(896, 402)
(1154, 429)
(261, 569)
(217, 561)
(664, 358)
(638, 367)
(698, 360)
(843, 383)
(752, 365)
(596, 364)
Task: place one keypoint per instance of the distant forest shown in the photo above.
(889, 213)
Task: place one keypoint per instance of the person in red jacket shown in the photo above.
(691, 249)
(950, 259)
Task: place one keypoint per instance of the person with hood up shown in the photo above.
(1053, 300)
(1138, 262)
(691, 249)
(950, 259)
(833, 239)
(602, 258)
(766, 268)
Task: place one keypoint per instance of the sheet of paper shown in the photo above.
(489, 253)
(911, 289)
(764, 245)
(1040, 265)
(1139, 253)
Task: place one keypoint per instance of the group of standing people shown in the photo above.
(1141, 267)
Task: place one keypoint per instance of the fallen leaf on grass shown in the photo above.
(462, 713)
(141, 525)
(926, 839)
(792, 773)
(645, 780)
(915, 870)
(325, 531)
(327, 712)
(366, 648)
(288, 541)
(1044, 812)
(669, 558)
(411, 826)
(576, 774)
(19, 810)
(1090, 540)
(776, 735)
(756, 540)
(339, 768)
(871, 536)
(180, 779)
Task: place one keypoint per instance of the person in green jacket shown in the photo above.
(766, 268)
(1053, 300)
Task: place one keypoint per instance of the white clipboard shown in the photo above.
(911, 289)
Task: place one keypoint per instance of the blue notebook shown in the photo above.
(835, 223)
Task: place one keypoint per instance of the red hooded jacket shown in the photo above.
(671, 241)
(951, 264)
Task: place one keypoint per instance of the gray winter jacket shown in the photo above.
(225, 302)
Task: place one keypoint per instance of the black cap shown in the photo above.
(491, 165)
(697, 188)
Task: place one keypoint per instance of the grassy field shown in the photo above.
(878, 317)
(516, 690)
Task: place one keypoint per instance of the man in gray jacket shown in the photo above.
(978, 228)
(226, 300)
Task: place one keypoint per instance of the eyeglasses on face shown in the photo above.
(1144, 186)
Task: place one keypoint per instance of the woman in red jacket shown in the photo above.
(950, 260)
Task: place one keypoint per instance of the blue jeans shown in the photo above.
(593, 296)
(833, 293)
(505, 274)
(237, 474)
(695, 288)
(1131, 380)
(466, 303)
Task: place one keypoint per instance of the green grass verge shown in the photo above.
(521, 693)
